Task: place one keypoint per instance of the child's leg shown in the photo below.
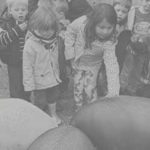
(90, 85)
(53, 95)
(78, 87)
(40, 100)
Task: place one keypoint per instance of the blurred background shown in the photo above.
(135, 2)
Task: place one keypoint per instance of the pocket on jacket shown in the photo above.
(43, 78)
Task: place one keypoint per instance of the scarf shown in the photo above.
(48, 43)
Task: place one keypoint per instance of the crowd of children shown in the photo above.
(101, 44)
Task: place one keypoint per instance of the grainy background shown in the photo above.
(2, 2)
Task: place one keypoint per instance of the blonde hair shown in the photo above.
(126, 3)
(11, 2)
(43, 19)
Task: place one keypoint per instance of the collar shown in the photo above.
(48, 43)
(45, 39)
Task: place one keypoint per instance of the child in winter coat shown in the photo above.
(122, 8)
(12, 37)
(60, 8)
(40, 61)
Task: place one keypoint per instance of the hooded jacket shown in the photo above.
(40, 64)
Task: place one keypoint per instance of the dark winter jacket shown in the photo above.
(12, 40)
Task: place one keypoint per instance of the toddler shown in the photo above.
(12, 36)
(40, 61)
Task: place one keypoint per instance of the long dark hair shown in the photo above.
(99, 13)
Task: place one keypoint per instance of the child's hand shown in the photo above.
(23, 26)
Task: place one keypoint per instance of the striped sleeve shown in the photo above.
(8, 36)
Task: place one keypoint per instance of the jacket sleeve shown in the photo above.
(131, 18)
(112, 71)
(28, 64)
(8, 35)
(71, 37)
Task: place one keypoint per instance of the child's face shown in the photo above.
(19, 11)
(122, 12)
(104, 29)
(146, 5)
(60, 7)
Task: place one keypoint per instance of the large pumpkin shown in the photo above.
(62, 138)
(21, 123)
(119, 123)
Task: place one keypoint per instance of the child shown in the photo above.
(60, 8)
(40, 60)
(89, 40)
(12, 36)
(122, 8)
(135, 73)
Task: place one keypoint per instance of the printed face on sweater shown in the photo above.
(104, 30)
(122, 12)
(19, 11)
(145, 5)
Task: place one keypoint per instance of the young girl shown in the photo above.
(122, 8)
(89, 40)
(40, 60)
